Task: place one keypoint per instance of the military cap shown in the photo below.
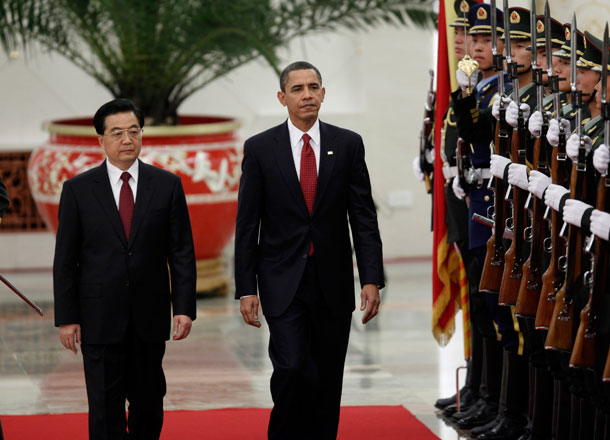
(599, 68)
(461, 8)
(565, 50)
(557, 34)
(519, 19)
(480, 21)
(593, 53)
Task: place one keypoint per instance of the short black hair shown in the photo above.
(113, 107)
(297, 65)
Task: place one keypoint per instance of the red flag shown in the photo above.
(449, 285)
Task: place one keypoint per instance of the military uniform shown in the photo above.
(456, 218)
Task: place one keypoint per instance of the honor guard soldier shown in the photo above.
(475, 125)
(456, 218)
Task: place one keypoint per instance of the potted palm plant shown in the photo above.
(158, 53)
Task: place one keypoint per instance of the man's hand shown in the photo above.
(553, 196)
(248, 306)
(69, 335)
(538, 183)
(601, 157)
(517, 175)
(457, 189)
(497, 165)
(534, 124)
(466, 82)
(552, 135)
(573, 146)
(419, 174)
(369, 302)
(182, 326)
(512, 113)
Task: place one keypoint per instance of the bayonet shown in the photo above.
(497, 57)
(536, 70)
(510, 64)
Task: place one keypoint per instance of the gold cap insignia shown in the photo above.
(515, 17)
(464, 7)
(539, 26)
(568, 34)
(481, 13)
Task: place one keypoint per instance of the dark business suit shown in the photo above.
(119, 291)
(273, 233)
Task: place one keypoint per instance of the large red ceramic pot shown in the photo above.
(203, 151)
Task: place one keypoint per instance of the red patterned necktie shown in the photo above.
(126, 203)
(309, 176)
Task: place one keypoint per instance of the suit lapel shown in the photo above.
(143, 196)
(103, 193)
(283, 155)
(327, 162)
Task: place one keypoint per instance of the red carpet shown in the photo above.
(357, 422)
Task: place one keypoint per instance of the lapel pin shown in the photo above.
(330, 153)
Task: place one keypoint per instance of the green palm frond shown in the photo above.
(159, 52)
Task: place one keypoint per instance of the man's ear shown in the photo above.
(100, 140)
(281, 96)
(323, 94)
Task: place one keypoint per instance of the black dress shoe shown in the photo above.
(467, 411)
(481, 417)
(507, 429)
(487, 427)
(465, 393)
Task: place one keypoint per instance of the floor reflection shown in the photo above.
(392, 361)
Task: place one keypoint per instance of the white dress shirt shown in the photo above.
(296, 143)
(114, 174)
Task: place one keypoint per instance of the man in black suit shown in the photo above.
(123, 230)
(301, 183)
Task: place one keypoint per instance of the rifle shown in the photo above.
(513, 259)
(559, 336)
(426, 159)
(493, 267)
(531, 282)
(553, 277)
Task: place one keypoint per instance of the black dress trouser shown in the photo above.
(307, 347)
(129, 371)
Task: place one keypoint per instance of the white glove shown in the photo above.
(465, 82)
(517, 175)
(457, 189)
(534, 124)
(495, 108)
(512, 113)
(574, 142)
(573, 211)
(498, 164)
(601, 157)
(600, 224)
(538, 183)
(553, 195)
(419, 174)
(553, 134)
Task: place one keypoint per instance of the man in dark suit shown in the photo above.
(301, 183)
(123, 230)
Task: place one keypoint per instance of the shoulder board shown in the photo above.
(486, 88)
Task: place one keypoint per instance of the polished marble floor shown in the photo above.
(223, 363)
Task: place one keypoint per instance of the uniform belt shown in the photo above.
(485, 173)
(449, 171)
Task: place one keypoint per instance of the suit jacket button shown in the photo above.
(126, 283)
(130, 254)
(304, 256)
